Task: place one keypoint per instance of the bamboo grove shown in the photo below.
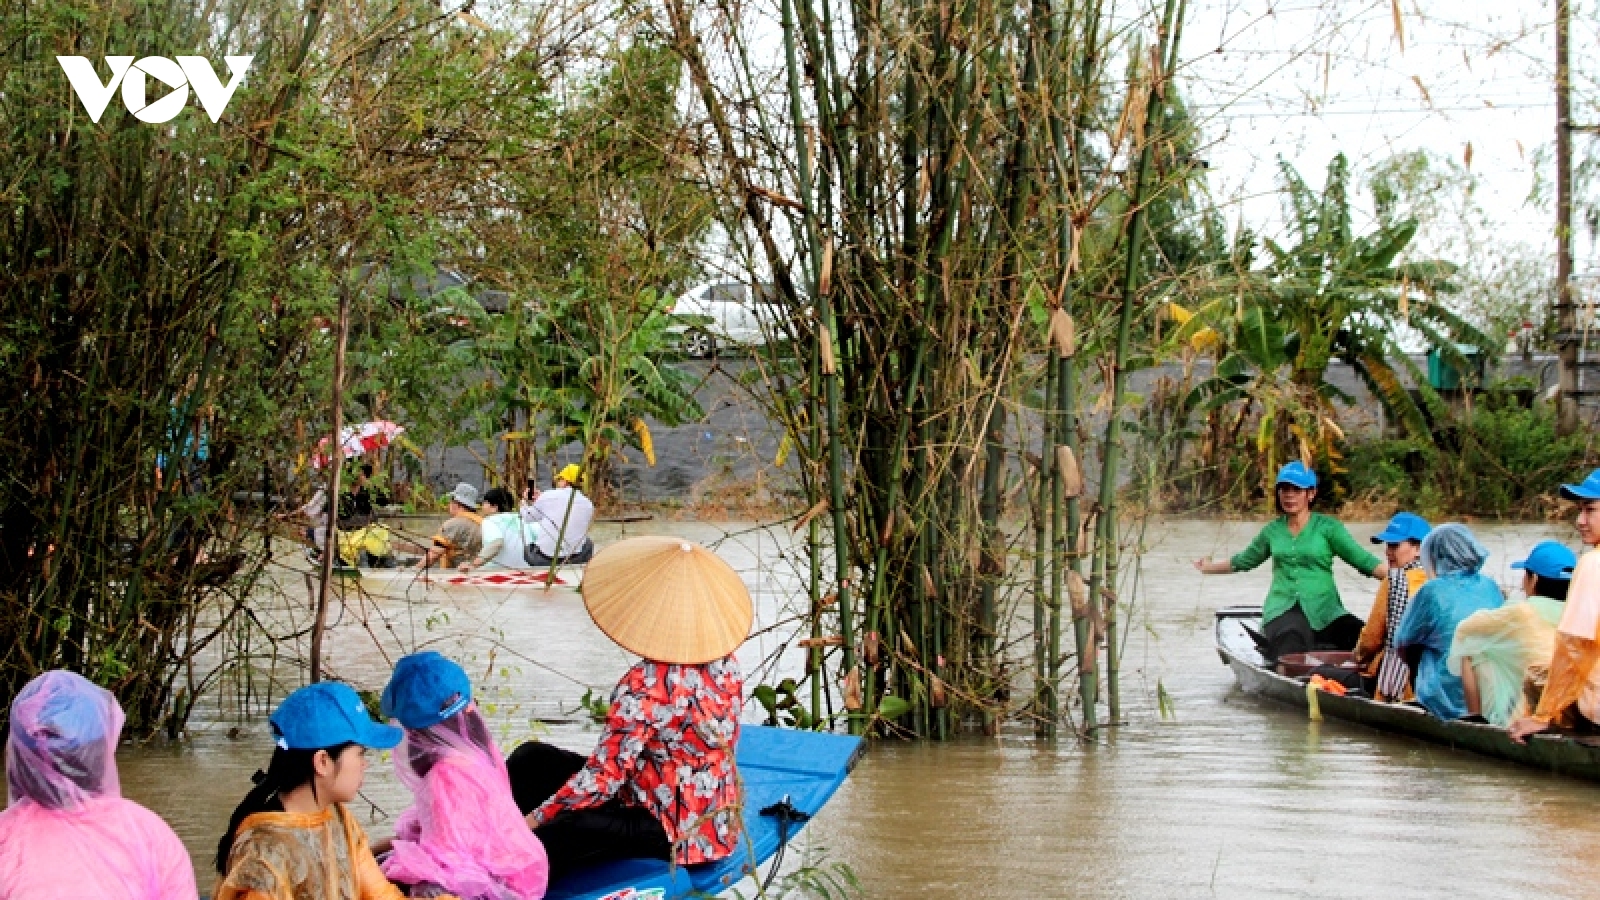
(953, 211)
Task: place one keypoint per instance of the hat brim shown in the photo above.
(1577, 492)
(1300, 483)
(380, 737)
(668, 600)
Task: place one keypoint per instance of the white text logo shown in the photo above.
(180, 75)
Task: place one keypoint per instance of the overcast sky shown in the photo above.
(1306, 79)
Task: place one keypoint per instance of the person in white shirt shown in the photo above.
(505, 535)
(565, 512)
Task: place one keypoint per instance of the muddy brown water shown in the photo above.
(1229, 796)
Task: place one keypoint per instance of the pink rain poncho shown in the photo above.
(464, 834)
(67, 832)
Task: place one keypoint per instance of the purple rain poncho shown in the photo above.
(67, 832)
(464, 834)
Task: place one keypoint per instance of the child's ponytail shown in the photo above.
(288, 770)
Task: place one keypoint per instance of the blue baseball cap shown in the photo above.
(1549, 560)
(1297, 474)
(426, 689)
(327, 714)
(1403, 527)
(1588, 490)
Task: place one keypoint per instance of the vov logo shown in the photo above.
(181, 75)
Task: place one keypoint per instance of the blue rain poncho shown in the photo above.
(1453, 557)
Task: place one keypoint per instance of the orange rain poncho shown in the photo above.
(304, 856)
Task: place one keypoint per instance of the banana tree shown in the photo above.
(1325, 293)
(603, 371)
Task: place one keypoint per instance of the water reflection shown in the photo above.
(1234, 797)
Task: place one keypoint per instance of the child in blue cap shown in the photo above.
(292, 838)
(464, 835)
(1494, 650)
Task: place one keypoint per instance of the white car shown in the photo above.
(722, 314)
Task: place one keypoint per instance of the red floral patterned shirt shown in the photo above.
(668, 747)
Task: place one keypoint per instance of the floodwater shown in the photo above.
(1229, 796)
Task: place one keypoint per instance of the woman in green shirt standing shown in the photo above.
(1302, 611)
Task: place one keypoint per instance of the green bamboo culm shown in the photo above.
(1106, 550)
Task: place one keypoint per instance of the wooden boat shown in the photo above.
(1565, 755)
(775, 764)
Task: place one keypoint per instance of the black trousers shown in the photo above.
(536, 558)
(577, 839)
(1292, 633)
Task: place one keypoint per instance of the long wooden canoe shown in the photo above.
(1565, 755)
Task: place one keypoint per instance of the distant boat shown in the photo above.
(775, 764)
(1564, 755)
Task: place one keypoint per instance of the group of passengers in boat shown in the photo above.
(1440, 633)
(494, 530)
(660, 784)
(546, 528)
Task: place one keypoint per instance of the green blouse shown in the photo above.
(1302, 566)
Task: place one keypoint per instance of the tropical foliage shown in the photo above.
(1327, 293)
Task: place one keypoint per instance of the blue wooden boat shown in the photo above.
(806, 767)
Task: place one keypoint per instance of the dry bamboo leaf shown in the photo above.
(825, 274)
(1521, 154)
(1063, 333)
(928, 589)
(828, 640)
(852, 690)
(775, 198)
(1405, 298)
(817, 510)
(826, 346)
(1072, 257)
(936, 693)
(1078, 594)
(887, 533)
(1071, 472)
(1466, 156)
(1399, 25)
(828, 600)
(869, 648)
(1426, 97)
(907, 646)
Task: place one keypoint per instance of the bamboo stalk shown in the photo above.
(1106, 549)
(330, 548)
(836, 475)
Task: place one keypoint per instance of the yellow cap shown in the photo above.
(570, 473)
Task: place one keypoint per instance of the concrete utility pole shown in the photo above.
(1566, 310)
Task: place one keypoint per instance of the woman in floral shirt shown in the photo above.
(661, 782)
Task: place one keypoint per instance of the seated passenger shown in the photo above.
(461, 536)
(565, 514)
(1495, 648)
(291, 838)
(464, 836)
(1571, 698)
(662, 783)
(67, 831)
(1456, 589)
(1381, 668)
(503, 534)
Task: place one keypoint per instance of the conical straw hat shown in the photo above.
(668, 600)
